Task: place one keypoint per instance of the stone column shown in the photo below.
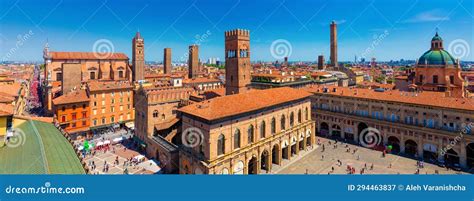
(402, 144)
(420, 148)
(280, 153)
(342, 133)
(258, 164)
(304, 141)
(463, 155)
(440, 146)
(270, 160)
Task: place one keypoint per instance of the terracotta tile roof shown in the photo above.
(6, 110)
(157, 75)
(253, 100)
(11, 89)
(108, 85)
(6, 98)
(166, 125)
(200, 80)
(428, 98)
(72, 97)
(88, 55)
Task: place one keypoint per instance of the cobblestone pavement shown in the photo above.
(312, 162)
(123, 155)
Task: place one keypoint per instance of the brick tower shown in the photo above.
(193, 61)
(138, 57)
(237, 61)
(167, 61)
(333, 36)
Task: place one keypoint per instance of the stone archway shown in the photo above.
(238, 168)
(301, 144)
(252, 166)
(324, 129)
(430, 152)
(395, 143)
(276, 154)
(336, 131)
(411, 148)
(360, 127)
(285, 150)
(451, 157)
(265, 161)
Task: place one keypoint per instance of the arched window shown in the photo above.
(220, 144)
(292, 119)
(262, 129)
(163, 116)
(237, 139)
(155, 114)
(282, 122)
(299, 116)
(273, 125)
(306, 114)
(250, 134)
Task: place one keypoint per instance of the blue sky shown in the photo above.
(385, 29)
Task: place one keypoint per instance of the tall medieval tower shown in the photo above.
(138, 57)
(237, 61)
(193, 61)
(333, 38)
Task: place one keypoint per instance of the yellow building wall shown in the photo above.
(3, 126)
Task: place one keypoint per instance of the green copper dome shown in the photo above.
(436, 57)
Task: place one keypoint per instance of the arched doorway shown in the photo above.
(301, 142)
(430, 152)
(239, 168)
(451, 157)
(411, 148)
(252, 166)
(285, 150)
(324, 129)
(293, 149)
(470, 155)
(395, 143)
(308, 138)
(264, 161)
(276, 154)
(360, 127)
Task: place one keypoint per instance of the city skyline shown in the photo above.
(365, 28)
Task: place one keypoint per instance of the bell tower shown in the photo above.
(138, 57)
(237, 61)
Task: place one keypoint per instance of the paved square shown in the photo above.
(313, 163)
(122, 154)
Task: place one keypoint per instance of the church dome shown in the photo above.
(436, 55)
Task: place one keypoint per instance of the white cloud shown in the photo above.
(428, 16)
